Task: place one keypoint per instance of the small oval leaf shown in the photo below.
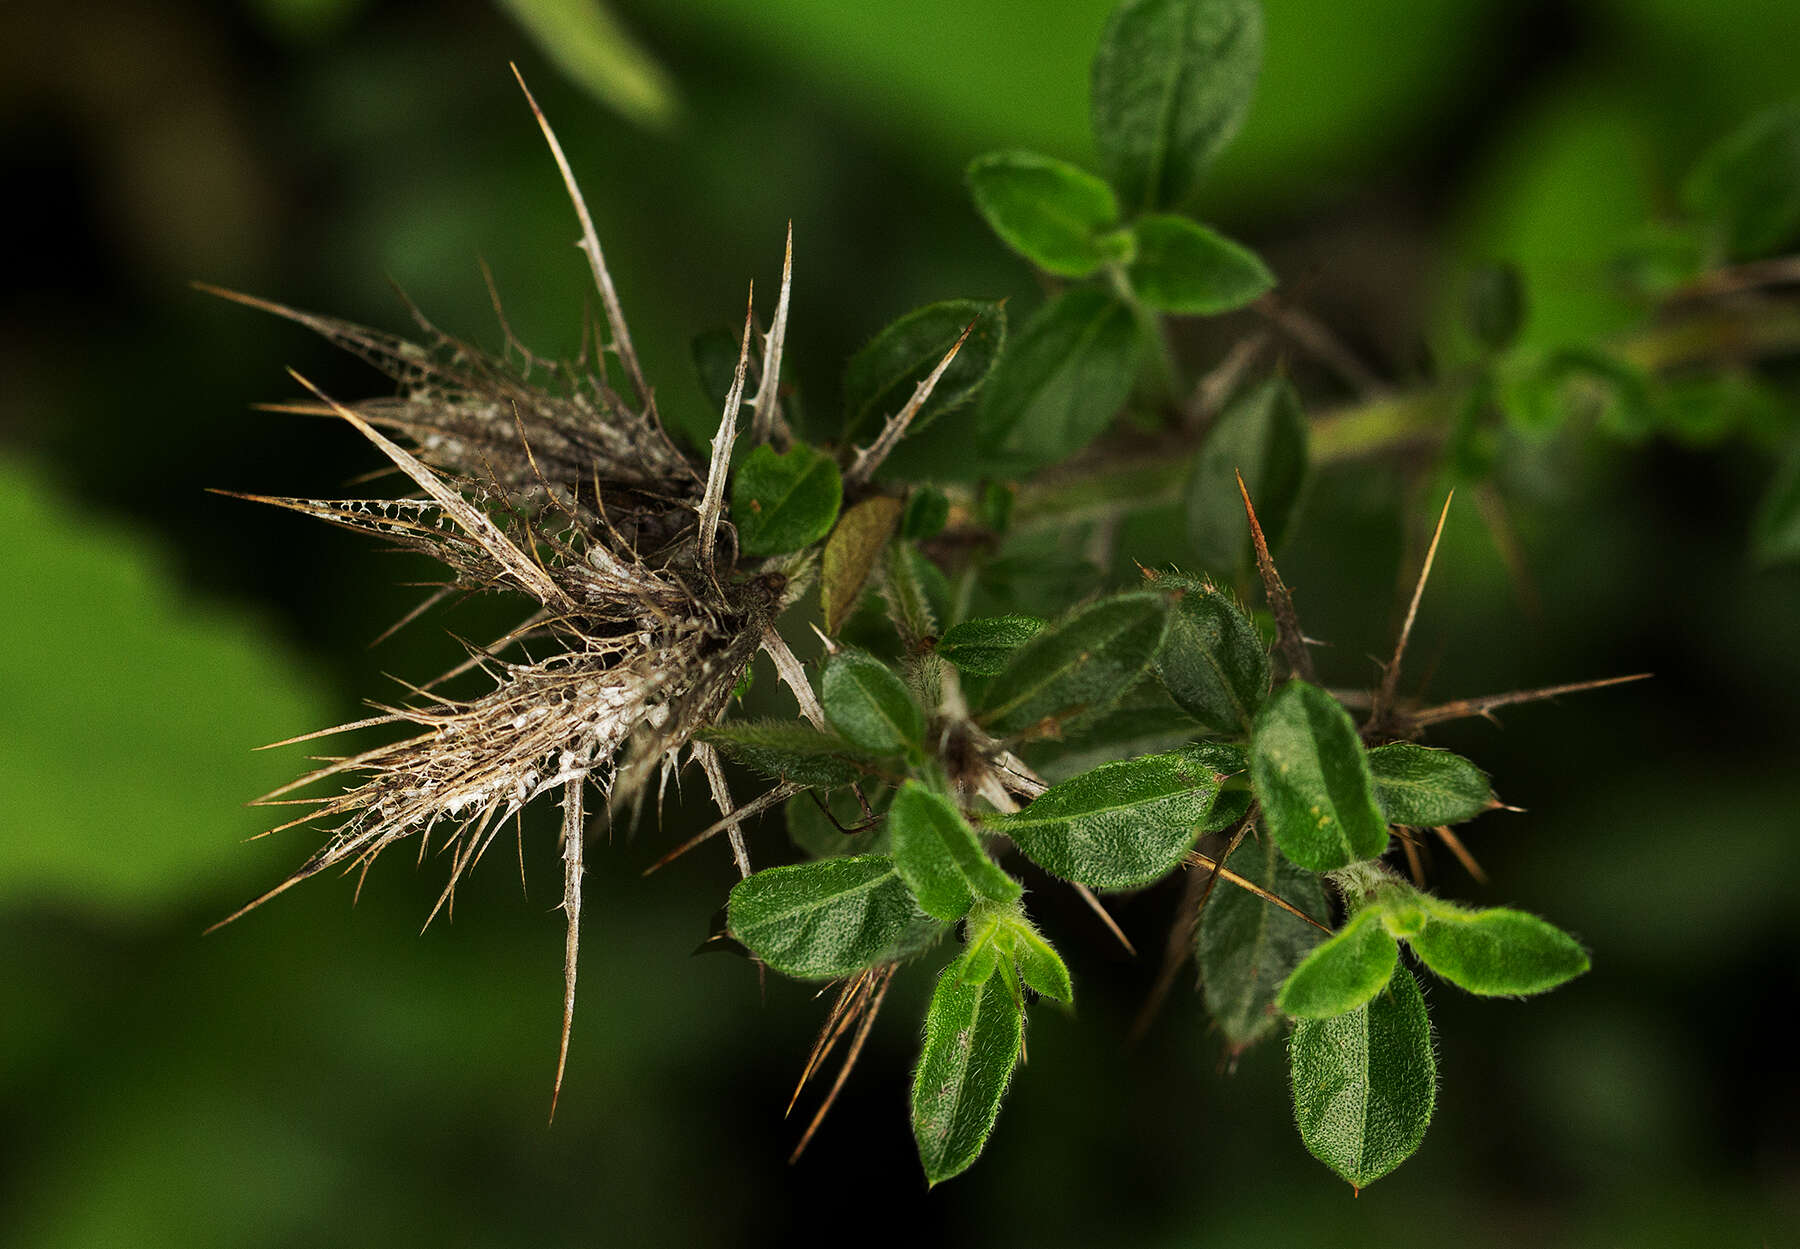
(983, 647)
(1247, 946)
(868, 704)
(1183, 267)
(1313, 781)
(1497, 952)
(1049, 211)
(1344, 972)
(1421, 787)
(829, 918)
(784, 502)
(789, 750)
(1213, 662)
(882, 376)
(939, 857)
(851, 554)
(1365, 1083)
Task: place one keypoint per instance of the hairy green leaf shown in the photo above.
(1181, 266)
(973, 1033)
(1344, 972)
(1247, 946)
(1080, 666)
(1124, 823)
(1365, 1083)
(851, 553)
(783, 502)
(1049, 211)
(983, 647)
(789, 750)
(1422, 787)
(1040, 966)
(829, 918)
(1213, 662)
(868, 704)
(1262, 435)
(1497, 952)
(882, 376)
(1313, 780)
(939, 856)
(1746, 188)
(1062, 380)
(1172, 82)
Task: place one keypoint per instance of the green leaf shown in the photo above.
(1183, 267)
(939, 856)
(850, 555)
(983, 647)
(822, 920)
(1496, 305)
(1213, 661)
(789, 750)
(882, 376)
(1421, 787)
(1232, 764)
(1049, 211)
(810, 830)
(1172, 82)
(1248, 946)
(783, 502)
(1746, 188)
(1313, 780)
(1040, 966)
(1062, 380)
(868, 704)
(1497, 952)
(927, 511)
(973, 1033)
(1776, 532)
(1344, 972)
(1365, 1083)
(588, 42)
(1080, 666)
(1262, 435)
(1122, 824)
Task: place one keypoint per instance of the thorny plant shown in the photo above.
(1136, 735)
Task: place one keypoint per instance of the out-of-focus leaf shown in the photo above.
(1777, 528)
(1746, 188)
(1421, 787)
(1263, 436)
(861, 535)
(589, 44)
(1080, 666)
(810, 830)
(939, 856)
(1497, 952)
(1063, 379)
(881, 377)
(781, 502)
(1248, 946)
(1183, 267)
(715, 355)
(1172, 82)
(927, 511)
(1123, 824)
(131, 718)
(1365, 1083)
(973, 1032)
(1496, 305)
(1054, 214)
(829, 918)
(1313, 780)
(1344, 972)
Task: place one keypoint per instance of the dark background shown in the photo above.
(319, 1074)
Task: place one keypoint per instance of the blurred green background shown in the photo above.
(322, 1075)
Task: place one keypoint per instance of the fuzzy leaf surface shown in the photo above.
(1049, 211)
(1247, 946)
(822, 920)
(1080, 666)
(939, 857)
(1497, 952)
(1063, 379)
(1262, 435)
(1365, 1083)
(1183, 267)
(1122, 824)
(1421, 787)
(1172, 81)
(851, 554)
(868, 704)
(1040, 966)
(882, 376)
(789, 750)
(983, 647)
(1213, 661)
(1344, 972)
(783, 502)
(973, 1033)
(1313, 780)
